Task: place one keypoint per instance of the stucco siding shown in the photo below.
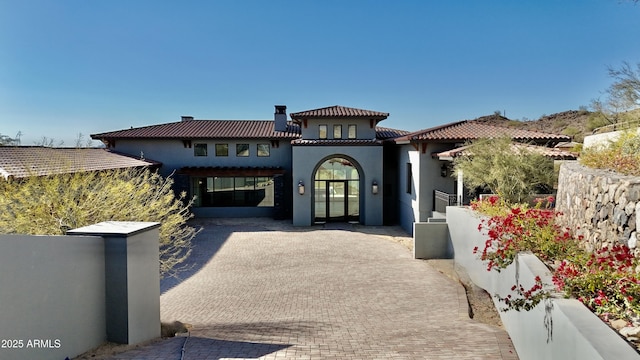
(368, 159)
(174, 155)
(364, 130)
(408, 201)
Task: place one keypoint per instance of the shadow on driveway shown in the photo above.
(212, 236)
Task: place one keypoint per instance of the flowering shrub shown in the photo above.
(606, 281)
(519, 228)
(527, 299)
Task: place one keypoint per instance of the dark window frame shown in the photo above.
(220, 147)
(268, 150)
(200, 149)
(323, 128)
(239, 151)
(355, 131)
(409, 178)
(337, 131)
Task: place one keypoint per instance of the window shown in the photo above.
(322, 129)
(200, 150)
(409, 178)
(222, 149)
(352, 131)
(263, 150)
(242, 149)
(233, 191)
(337, 131)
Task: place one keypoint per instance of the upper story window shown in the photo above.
(200, 150)
(322, 131)
(337, 131)
(353, 131)
(222, 149)
(242, 149)
(263, 150)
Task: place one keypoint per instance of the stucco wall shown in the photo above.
(602, 139)
(363, 130)
(600, 205)
(556, 329)
(61, 296)
(174, 155)
(52, 288)
(408, 202)
(369, 161)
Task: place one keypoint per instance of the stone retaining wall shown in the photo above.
(600, 205)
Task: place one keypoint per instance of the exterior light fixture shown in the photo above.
(444, 171)
(300, 187)
(374, 187)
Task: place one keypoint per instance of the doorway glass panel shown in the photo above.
(337, 191)
(336, 200)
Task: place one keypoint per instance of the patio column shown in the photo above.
(460, 190)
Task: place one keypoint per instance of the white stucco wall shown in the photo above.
(602, 139)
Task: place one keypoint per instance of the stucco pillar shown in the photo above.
(132, 278)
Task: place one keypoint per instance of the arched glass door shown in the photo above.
(337, 193)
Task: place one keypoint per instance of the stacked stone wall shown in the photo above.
(602, 206)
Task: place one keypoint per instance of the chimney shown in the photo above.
(280, 118)
(186, 118)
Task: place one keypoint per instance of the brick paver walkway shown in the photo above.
(272, 291)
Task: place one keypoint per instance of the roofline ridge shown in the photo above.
(435, 128)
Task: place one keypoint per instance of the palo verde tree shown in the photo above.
(49, 205)
(512, 172)
(622, 96)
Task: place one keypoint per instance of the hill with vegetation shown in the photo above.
(574, 123)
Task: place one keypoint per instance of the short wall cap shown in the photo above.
(115, 228)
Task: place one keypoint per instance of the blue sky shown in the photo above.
(69, 67)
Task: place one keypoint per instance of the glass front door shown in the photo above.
(336, 191)
(337, 200)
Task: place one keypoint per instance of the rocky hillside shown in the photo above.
(573, 123)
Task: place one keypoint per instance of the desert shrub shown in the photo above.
(50, 205)
(621, 155)
(514, 172)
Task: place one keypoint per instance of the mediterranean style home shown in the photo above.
(328, 164)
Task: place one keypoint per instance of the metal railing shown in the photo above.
(617, 126)
(442, 200)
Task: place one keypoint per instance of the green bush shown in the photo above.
(50, 205)
(512, 171)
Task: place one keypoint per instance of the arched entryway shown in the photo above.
(336, 191)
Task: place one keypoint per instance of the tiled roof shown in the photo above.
(471, 130)
(338, 142)
(383, 133)
(25, 161)
(554, 153)
(338, 111)
(206, 129)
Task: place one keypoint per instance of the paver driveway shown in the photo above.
(264, 289)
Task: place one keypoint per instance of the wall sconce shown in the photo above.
(444, 170)
(300, 187)
(374, 187)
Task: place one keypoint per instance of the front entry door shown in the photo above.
(336, 200)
